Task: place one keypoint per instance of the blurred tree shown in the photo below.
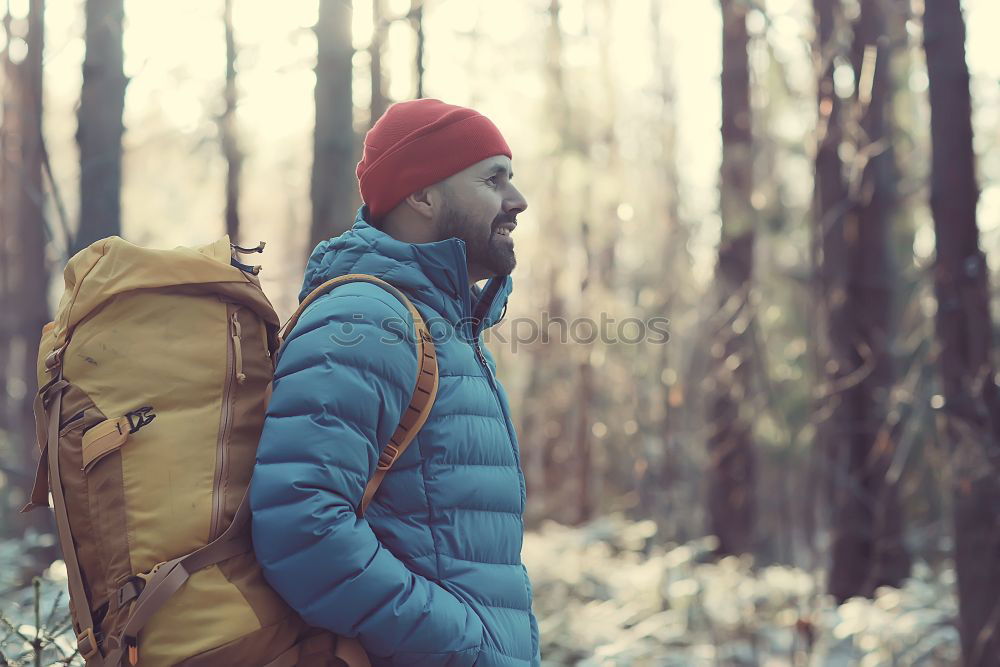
(417, 21)
(27, 278)
(970, 416)
(333, 190)
(583, 390)
(598, 238)
(773, 412)
(102, 101)
(661, 488)
(228, 130)
(925, 493)
(379, 100)
(8, 217)
(548, 397)
(867, 550)
(830, 203)
(731, 501)
(908, 124)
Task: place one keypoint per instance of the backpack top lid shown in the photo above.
(112, 266)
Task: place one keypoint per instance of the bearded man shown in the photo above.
(431, 574)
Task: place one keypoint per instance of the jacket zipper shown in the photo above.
(483, 307)
(489, 376)
(234, 374)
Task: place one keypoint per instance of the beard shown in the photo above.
(483, 247)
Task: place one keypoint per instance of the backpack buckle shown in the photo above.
(130, 590)
(139, 418)
(86, 643)
(54, 360)
(146, 576)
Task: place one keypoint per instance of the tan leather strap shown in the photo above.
(336, 282)
(84, 622)
(414, 415)
(424, 391)
(315, 294)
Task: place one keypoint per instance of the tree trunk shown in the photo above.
(585, 503)
(970, 419)
(556, 443)
(664, 480)
(334, 190)
(554, 417)
(230, 137)
(830, 203)
(868, 549)
(417, 19)
(102, 101)
(731, 476)
(584, 393)
(13, 492)
(379, 102)
(29, 280)
(531, 433)
(8, 218)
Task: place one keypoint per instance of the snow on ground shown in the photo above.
(606, 594)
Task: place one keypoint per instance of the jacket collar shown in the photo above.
(434, 273)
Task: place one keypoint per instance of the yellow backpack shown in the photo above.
(154, 378)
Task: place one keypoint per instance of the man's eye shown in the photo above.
(492, 180)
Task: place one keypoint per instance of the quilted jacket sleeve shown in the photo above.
(342, 381)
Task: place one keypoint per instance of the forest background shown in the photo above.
(806, 472)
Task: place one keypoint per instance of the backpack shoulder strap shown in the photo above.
(424, 391)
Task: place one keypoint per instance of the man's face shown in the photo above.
(480, 207)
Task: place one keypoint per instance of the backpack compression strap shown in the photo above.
(166, 578)
(51, 396)
(424, 391)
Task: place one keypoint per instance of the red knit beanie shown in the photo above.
(418, 143)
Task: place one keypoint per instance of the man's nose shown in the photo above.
(515, 202)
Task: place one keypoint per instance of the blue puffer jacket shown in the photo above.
(432, 574)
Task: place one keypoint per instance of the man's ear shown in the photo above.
(422, 202)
